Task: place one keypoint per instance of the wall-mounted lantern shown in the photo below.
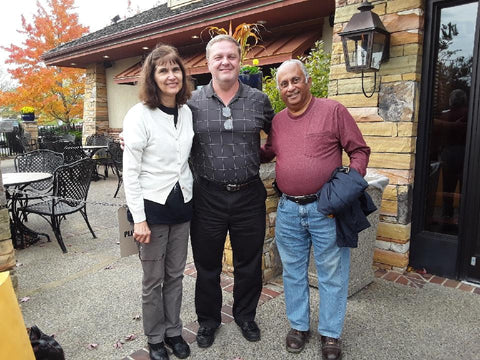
(366, 42)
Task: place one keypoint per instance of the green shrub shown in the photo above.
(317, 63)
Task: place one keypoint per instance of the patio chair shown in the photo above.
(60, 145)
(74, 153)
(37, 161)
(101, 157)
(71, 183)
(116, 155)
(69, 137)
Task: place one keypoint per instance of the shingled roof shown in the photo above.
(153, 15)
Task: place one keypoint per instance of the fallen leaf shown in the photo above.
(137, 317)
(92, 346)
(109, 267)
(24, 299)
(118, 344)
(18, 264)
(130, 337)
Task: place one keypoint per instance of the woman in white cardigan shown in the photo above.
(158, 136)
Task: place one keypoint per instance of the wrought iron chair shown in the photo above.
(71, 183)
(116, 155)
(74, 153)
(69, 137)
(101, 157)
(60, 145)
(37, 161)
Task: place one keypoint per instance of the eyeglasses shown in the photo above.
(227, 113)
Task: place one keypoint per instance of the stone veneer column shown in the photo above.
(95, 109)
(271, 263)
(389, 119)
(31, 127)
(7, 253)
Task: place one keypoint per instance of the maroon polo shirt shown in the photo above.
(309, 147)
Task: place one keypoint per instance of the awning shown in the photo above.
(130, 75)
(269, 52)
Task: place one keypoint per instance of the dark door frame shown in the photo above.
(470, 231)
(429, 249)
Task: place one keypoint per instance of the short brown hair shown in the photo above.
(149, 91)
(219, 38)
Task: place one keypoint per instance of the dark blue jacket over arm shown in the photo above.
(344, 197)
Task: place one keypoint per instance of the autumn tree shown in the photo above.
(56, 93)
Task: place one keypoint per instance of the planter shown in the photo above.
(28, 117)
(253, 80)
(361, 258)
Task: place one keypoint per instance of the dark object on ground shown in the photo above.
(44, 347)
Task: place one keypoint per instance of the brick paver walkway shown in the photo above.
(269, 292)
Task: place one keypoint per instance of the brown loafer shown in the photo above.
(296, 340)
(331, 348)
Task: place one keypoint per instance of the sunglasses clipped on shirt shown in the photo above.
(227, 113)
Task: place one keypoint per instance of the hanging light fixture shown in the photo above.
(366, 42)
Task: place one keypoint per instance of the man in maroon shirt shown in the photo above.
(307, 139)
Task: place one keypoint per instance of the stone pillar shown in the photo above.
(31, 127)
(95, 109)
(271, 263)
(7, 253)
(389, 119)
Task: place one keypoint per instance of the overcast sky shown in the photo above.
(95, 14)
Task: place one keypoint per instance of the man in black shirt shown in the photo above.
(228, 193)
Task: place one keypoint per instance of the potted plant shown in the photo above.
(251, 75)
(28, 113)
(247, 36)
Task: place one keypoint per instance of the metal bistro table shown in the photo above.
(91, 150)
(22, 236)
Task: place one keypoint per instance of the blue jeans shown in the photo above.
(297, 228)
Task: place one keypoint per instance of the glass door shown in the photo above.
(446, 127)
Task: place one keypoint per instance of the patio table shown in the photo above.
(91, 150)
(22, 236)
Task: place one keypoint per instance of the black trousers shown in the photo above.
(242, 214)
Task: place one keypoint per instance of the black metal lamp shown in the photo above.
(366, 42)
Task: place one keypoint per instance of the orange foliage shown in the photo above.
(54, 92)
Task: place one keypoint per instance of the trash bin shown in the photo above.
(361, 258)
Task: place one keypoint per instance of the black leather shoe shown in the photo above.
(178, 346)
(205, 336)
(158, 351)
(250, 330)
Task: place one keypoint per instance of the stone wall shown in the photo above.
(389, 119)
(95, 110)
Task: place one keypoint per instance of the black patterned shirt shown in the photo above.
(226, 145)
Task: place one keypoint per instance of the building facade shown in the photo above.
(421, 121)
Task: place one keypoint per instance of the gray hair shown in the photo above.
(219, 38)
(292, 61)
